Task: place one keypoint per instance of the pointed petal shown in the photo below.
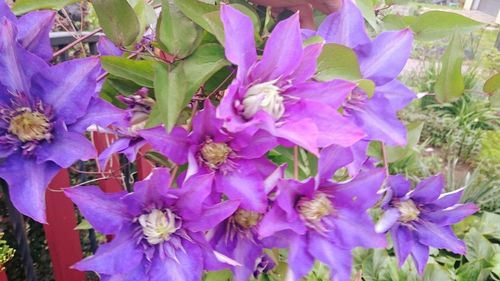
(70, 97)
(152, 190)
(206, 124)
(193, 193)
(441, 237)
(386, 56)
(332, 93)
(246, 253)
(6, 12)
(254, 146)
(33, 33)
(331, 159)
(428, 189)
(450, 215)
(398, 95)
(239, 43)
(399, 184)
(66, 148)
(173, 145)
(101, 113)
(104, 211)
(338, 260)
(118, 256)
(27, 183)
(212, 216)
(300, 261)
(345, 27)
(446, 200)
(388, 219)
(301, 132)
(420, 255)
(106, 47)
(275, 220)
(308, 63)
(280, 60)
(402, 239)
(188, 268)
(117, 146)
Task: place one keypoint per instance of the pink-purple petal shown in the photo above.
(174, 145)
(420, 255)
(338, 260)
(441, 237)
(450, 215)
(66, 148)
(402, 239)
(428, 189)
(300, 261)
(33, 33)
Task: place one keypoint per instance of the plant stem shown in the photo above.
(386, 163)
(296, 162)
(74, 43)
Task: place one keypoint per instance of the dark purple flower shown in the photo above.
(381, 61)
(159, 231)
(324, 222)
(237, 161)
(264, 264)
(42, 119)
(276, 93)
(422, 218)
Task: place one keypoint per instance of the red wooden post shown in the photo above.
(112, 169)
(3, 276)
(144, 167)
(62, 238)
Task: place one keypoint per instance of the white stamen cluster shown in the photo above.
(29, 125)
(409, 211)
(157, 226)
(265, 96)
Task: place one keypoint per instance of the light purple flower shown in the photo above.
(158, 231)
(43, 118)
(32, 30)
(324, 222)
(236, 161)
(276, 93)
(422, 218)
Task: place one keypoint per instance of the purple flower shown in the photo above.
(43, 118)
(422, 218)
(236, 161)
(276, 93)
(381, 61)
(159, 231)
(324, 222)
(32, 30)
(134, 119)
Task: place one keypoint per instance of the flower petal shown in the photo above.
(117, 146)
(70, 97)
(387, 55)
(428, 189)
(33, 33)
(451, 215)
(446, 200)
(105, 212)
(275, 220)
(6, 12)
(332, 93)
(239, 43)
(441, 237)
(188, 267)
(193, 193)
(300, 261)
(27, 181)
(100, 113)
(106, 47)
(420, 255)
(338, 260)
(308, 63)
(399, 184)
(331, 159)
(174, 145)
(388, 219)
(66, 148)
(398, 95)
(403, 242)
(212, 216)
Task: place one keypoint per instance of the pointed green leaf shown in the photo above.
(450, 82)
(24, 6)
(396, 22)
(337, 61)
(438, 24)
(492, 85)
(366, 8)
(118, 20)
(138, 71)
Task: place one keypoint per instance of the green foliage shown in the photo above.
(118, 20)
(138, 71)
(337, 61)
(437, 24)
(6, 252)
(450, 83)
(24, 6)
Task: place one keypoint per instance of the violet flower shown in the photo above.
(32, 30)
(324, 222)
(276, 93)
(237, 161)
(422, 218)
(158, 231)
(43, 118)
(381, 61)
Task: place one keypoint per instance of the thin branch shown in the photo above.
(74, 43)
(296, 162)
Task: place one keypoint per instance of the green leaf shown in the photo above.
(396, 22)
(84, 225)
(450, 82)
(118, 20)
(139, 71)
(205, 15)
(478, 247)
(221, 275)
(176, 33)
(492, 85)
(434, 272)
(438, 24)
(368, 86)
(366, 8)
(24, 6)
(337, 61)
(145, 14)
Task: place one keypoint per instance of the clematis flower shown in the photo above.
(32, 30)
(381, 61)
(276, 93)
(324, 222)
(158, 231)
(236, 161)
(422, 218)
(134, 119)
(42, 119)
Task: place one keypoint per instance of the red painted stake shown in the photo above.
(112, 169)
(62, 238)
(144, 167)
(3, 276)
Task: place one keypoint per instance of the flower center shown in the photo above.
(314, 210)
(265, 96)
(30, 126)
(409, 212)
(157, 226)
(247, 219)
(215, 153)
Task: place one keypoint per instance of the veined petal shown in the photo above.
(333, 158)
(188, 268)
(338, 260)
(345, 27)
(27, 182)
(332, 93)
(212, 216)
(398, 95)
(399, 184)
(117, 146)
(386, 56)
(100, 113)
(106, 47)
(446, 200)
(388, 219)
(246, 252)
(174, 145)
(105, 212)
(66, 148)
(441, 237)
(308, 63)
(450, 215)
(239, 42)
(300, 261)
(275, 220)
(33, 33)
(193, 193)
(403, 241)
(6, 12)
(420, 255)
(301, 132)
(428, 189)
